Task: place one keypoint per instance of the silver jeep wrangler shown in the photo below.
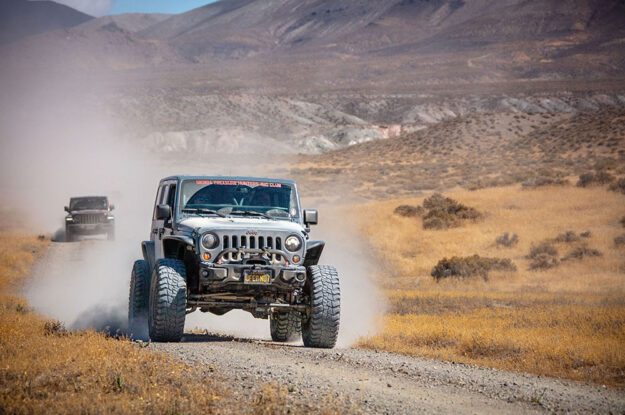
(224, 243)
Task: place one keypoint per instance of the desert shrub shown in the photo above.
(543, 256)
(507, 240)
(581, 252)
(598, 178)
(622, 221)
(471, 266)
(618, 186)
(444, 212)
(544, 181)
(408, 211)
(585, 234)
(619, 240)
(585, 179)
(54, 328)
(566, 237)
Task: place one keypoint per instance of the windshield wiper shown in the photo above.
(203, 211)
(251, 213)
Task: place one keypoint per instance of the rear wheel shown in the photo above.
(285, 327)
(138, 300)
(321, 329)
(168, 301)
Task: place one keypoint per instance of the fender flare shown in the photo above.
(149, 253)
(173, 243)
(313, 252)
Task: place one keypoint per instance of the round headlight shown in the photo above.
(293, 243)
(210, 240)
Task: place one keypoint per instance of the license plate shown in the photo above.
(257, 278)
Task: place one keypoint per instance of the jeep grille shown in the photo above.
(252, 242)
(88, 219)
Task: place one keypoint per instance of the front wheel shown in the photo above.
(168, 300)
(321, 329)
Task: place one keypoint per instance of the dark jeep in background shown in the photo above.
(224, 243)
(89, 215)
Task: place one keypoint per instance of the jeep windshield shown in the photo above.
(88, 203)
(272, 200)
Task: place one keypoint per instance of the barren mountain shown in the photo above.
(394, 44)
(130, 22)
(20, 18)
(236, 26)
(455, 40)
(312, 76)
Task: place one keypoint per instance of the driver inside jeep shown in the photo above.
(261, 198)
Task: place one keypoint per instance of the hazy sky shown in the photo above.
(156, 6)
(101, 7)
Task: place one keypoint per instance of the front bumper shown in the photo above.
(231, 276)
(90, 229)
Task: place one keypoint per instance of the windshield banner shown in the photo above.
(238, 183)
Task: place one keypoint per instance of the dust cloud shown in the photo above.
(59, 140)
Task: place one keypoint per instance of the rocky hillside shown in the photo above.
(21, 18)
(478, 150)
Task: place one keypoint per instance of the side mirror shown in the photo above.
(311, 216)
(67, 209)
(111, 206)
(163, 212)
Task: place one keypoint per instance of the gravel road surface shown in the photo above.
(374, 382)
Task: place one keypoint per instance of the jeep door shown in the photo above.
(161, 227)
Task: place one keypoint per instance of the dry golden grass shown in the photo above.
(567, 321)
(44, 369)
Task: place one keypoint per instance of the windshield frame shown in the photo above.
(180, 215)
(75, 200)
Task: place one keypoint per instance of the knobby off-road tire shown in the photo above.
(168, 300)
(139, 300)
(286, 327)
(322, 329)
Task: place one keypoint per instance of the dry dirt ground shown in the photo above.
(376, 382)
(351, 380)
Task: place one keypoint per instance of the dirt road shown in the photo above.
(350, 380)
(371, 382)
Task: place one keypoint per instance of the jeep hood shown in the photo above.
(238, 223)
(89, 212)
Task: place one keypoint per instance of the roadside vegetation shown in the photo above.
(536, 285)
(46, 369)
